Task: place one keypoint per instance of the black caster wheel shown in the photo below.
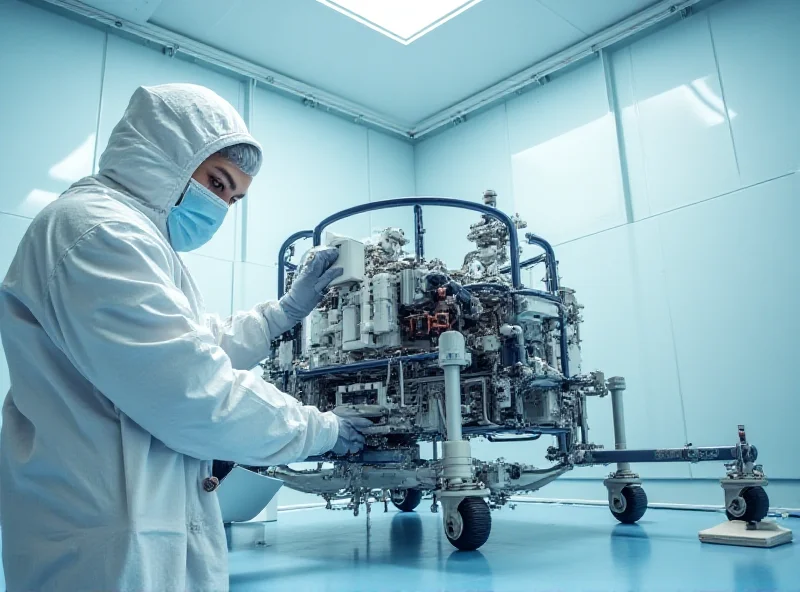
(406, 500)
(475, 524)
(756, 505)
(634, 507)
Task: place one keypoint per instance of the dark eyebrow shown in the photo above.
(227, 175)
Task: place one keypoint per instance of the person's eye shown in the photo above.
(216, 185)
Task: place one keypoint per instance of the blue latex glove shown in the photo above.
(351, 438)
(309, 287)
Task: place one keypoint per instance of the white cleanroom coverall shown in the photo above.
(122, 389)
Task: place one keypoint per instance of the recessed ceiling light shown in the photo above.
(402, 20)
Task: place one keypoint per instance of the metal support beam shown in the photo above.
(662, 455)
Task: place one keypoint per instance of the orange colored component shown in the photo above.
(431, 323)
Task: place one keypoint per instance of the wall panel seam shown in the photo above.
(724, 98)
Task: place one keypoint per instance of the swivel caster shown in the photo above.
(406, 500)
(630, 505)
(468, 528)
(751, 505)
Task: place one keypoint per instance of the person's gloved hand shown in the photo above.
(309, 287)
(350, 439)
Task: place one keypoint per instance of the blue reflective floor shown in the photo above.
(534, 547)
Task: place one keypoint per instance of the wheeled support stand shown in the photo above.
(746, 504)
(745, 498)
(466, 517)
(627, 499)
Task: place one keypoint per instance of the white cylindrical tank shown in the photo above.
(366, 327)
(317, 323)
(350, 330)
(383, 309)
(285, 355)
(408, 286)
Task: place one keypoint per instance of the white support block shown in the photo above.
(765, 534)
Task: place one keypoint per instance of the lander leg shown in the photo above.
(466, 516)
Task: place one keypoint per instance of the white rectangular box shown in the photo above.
(351, 260)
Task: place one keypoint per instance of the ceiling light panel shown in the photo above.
(404, 21)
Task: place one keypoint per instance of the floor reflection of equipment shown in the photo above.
(429, 353)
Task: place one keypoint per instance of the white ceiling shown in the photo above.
(312, 43)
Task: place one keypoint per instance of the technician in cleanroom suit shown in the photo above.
(122, 389)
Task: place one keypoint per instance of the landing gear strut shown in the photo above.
(466, 517)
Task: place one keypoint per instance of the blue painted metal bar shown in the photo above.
(488, 285)
(371, 457)
(282, 266)
(539, 294)
(687, 454)
(419, 234)
(552, 265)
(434, 201)
(518, 431)
(526, 263)
(365, 365)
(518, 438)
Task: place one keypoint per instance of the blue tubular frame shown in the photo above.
(419, 230)
(447, 202)
(282, 265)
(365, 365)
(515, 266)
(550, 260)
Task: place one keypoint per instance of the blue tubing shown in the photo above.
(433, 201)
(365, 365)
(419, 231)
(540, 294)
(550, 258)
(281, 257)
(487, 285)
(417, 203)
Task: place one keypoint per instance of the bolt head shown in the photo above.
(210, 484)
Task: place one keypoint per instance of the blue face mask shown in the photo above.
(193, 222)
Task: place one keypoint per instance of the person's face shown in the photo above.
(223, 178)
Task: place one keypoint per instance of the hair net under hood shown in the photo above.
(166, 132)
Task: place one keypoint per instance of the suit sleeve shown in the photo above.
(128, 329)
(246, 336)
